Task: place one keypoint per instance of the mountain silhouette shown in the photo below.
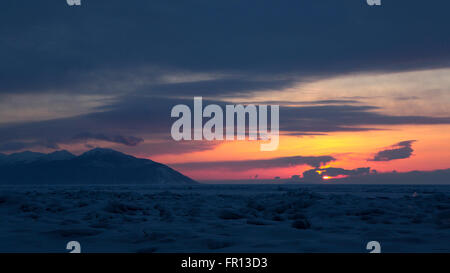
(97, 166)
(22, 157)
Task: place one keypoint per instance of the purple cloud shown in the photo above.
(400, 150)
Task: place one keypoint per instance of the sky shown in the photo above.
(358, 86)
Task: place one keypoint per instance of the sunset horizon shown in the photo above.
(225, 135)
(346, 98)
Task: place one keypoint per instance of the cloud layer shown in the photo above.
(242, 165)
(134, 118)
(318, 174)
(400, 150)
(259, 45)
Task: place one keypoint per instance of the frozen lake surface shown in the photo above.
(225, 218)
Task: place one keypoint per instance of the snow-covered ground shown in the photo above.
(225, 218)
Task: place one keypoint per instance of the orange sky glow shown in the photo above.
(351, 149)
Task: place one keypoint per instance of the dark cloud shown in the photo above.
(148, 117)
(366, 176)
(405, 98)
(314, 102)
(328, 102)
(83, 137)
(169, 146)
(125, 140)
(242, 165)
(331, 118)
(130, 117)
(317, 174)
(19, 145)
(339, 171)
(48, 46)
(409, 178)
(400, 150)
(220, 87)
